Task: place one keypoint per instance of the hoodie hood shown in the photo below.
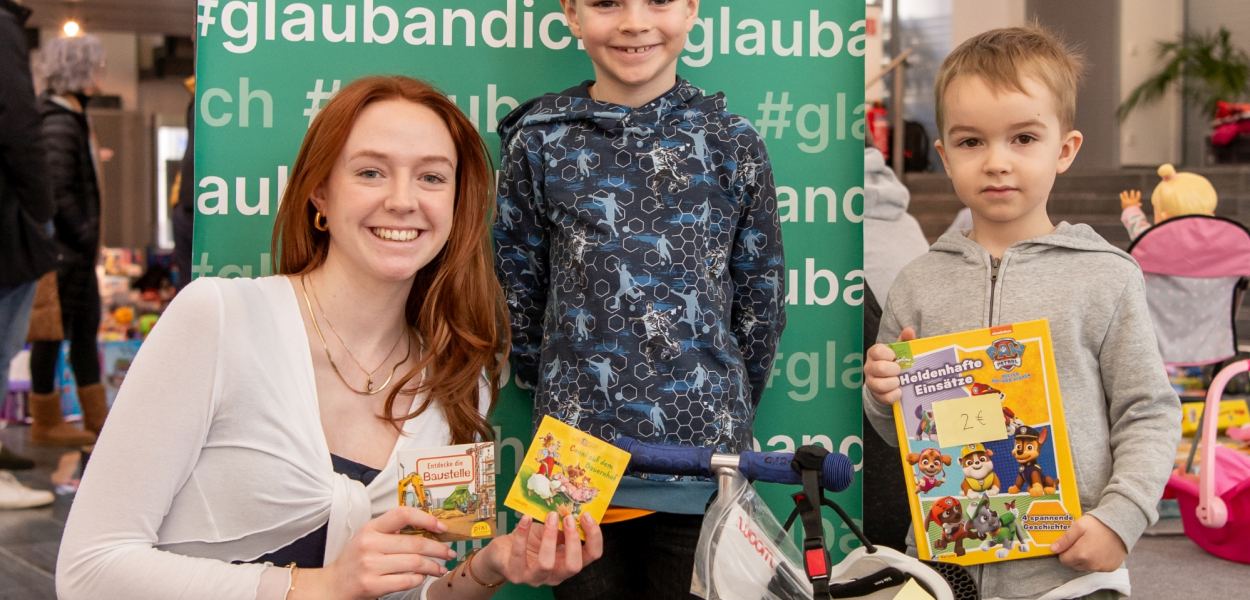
(576, 105)
(1065, 236)
(885, 197)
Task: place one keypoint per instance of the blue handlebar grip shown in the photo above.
(772, 467)
(836, 470)
(664, 459)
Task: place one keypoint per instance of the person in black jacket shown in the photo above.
(70, 66)
(26, 253)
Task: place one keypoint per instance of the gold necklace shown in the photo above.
(368, 373)
(369, 390)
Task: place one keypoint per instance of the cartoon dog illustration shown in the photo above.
(984, 522)
(1031, 478)
(927, 428)
(1012, 422)
(979, 477)
(981, 389)
(1010, 534)
(949, 515)
(997, 530)
(930, 468)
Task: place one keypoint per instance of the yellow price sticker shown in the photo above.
(480, 529)
(912, 591)
(970, 420)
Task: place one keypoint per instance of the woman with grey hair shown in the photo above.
(70, 67)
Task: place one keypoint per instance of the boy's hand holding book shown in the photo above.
(1090, 546)
(881, 372)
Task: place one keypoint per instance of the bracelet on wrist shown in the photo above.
(466, 568)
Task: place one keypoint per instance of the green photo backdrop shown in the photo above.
(792, 67)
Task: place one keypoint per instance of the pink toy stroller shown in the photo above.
(1215, 506)
(1195, 268)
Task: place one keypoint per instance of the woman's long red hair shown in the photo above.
(456, 304)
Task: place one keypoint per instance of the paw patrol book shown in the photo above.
(566, 471)
(984, 444)
(456, 484)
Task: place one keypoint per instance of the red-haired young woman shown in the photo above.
(259, 425)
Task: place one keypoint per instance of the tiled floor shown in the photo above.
(1162, 566)
(29, 539)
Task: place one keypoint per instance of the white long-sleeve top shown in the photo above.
(214, 452)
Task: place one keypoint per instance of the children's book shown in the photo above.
(566, 471)
(984, 444)
(455, 484)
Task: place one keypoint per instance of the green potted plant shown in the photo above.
(1207, 66)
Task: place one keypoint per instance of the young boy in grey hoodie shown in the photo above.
(1006, 104)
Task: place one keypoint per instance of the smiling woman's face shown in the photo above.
(391, 194)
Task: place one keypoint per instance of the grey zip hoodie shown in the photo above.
(1123, 417)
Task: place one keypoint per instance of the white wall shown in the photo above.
(1151, 135)
(874, 52)
(1203, 16)
(121, 71)
(1118, 38)
(165, 97)
(1093, 28)
(970, 17)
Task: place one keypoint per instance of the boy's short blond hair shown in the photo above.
(1002, 57)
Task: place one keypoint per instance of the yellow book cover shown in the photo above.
(566, 471)
(456, 484)
(984, 444)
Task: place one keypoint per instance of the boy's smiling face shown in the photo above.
(634, 44)
(1002, 149)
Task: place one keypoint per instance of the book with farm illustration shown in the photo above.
(566, 471)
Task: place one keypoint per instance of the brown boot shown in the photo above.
(95, 407)
(50, 428)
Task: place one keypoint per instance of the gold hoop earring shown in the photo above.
(320, 223)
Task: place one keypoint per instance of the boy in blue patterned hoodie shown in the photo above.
(639, 247)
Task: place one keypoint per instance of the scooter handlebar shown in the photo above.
(836, 471)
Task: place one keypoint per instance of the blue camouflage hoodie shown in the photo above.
(640, 253)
